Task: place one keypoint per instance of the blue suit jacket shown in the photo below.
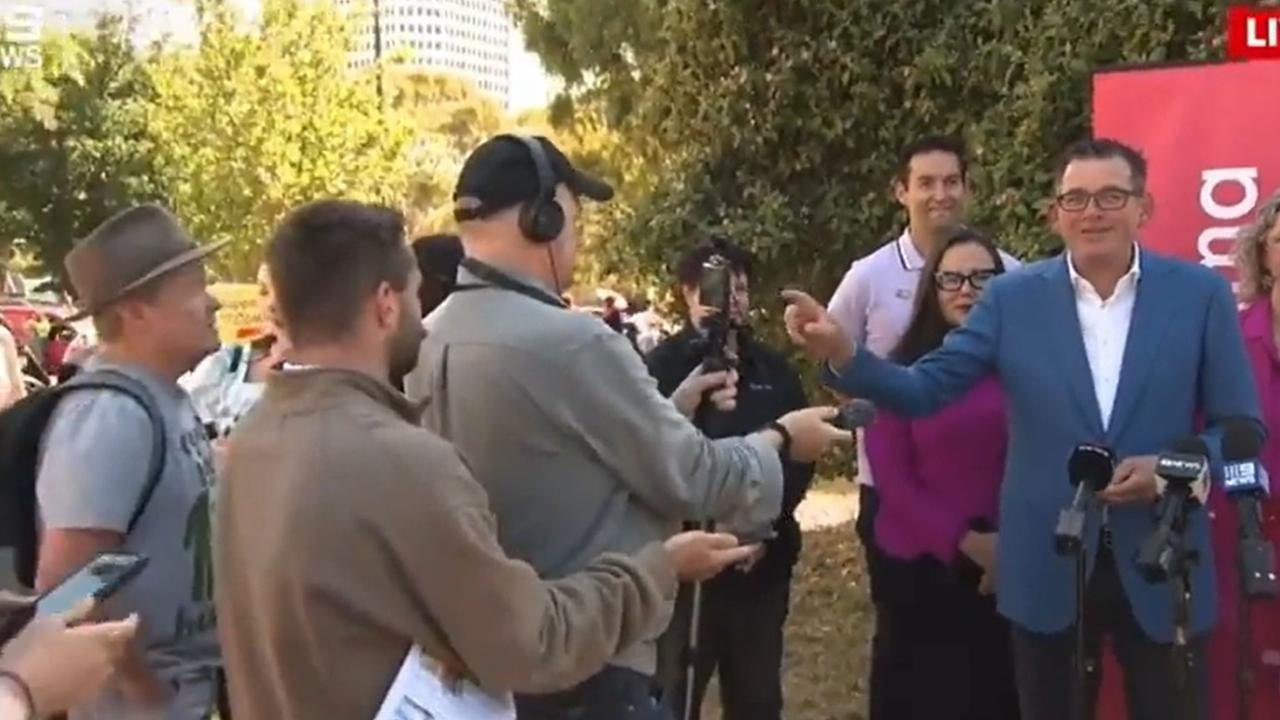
(1184, 356)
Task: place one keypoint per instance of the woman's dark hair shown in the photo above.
(438, 258)
(928, 327)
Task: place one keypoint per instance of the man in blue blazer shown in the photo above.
(1107, 344)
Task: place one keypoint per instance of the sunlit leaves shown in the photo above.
(74, 147)
(255, 122)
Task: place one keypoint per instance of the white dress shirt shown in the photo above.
(1104, 326)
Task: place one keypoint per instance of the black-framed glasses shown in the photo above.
(1105, 199)
(953, 281)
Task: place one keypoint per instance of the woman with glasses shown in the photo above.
(1257, 258)
(948, 653)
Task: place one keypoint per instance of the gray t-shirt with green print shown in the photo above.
(92, 474)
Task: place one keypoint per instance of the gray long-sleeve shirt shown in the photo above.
(580, 454)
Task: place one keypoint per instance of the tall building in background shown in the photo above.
(471, 38)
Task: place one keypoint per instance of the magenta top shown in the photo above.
(937, 474)
(1260, 341)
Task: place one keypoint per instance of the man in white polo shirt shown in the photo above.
(874, 301)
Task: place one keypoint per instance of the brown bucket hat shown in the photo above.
(127, 251)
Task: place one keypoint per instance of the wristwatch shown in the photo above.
(785, 450)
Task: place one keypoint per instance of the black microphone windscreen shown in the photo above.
(1092, 465)
(858, 413)
(1190, 445)
(1240, 440)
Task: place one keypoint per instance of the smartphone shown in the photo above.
(101, 578)
(713, 285)
(753, 538)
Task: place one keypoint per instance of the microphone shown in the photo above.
(1246, 484)
(1184, 475)
(1089, 469)
(855, 414)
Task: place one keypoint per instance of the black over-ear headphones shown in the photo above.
(542, 219)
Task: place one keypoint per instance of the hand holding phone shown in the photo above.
(98, 580)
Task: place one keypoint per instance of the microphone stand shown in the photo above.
(1069, 540)
(1181, 561)
(1244, 677)
(1082, 662)
(1256, 560)
(703, 419)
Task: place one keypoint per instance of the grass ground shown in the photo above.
(829, 632)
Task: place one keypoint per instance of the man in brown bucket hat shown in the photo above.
(140, 276)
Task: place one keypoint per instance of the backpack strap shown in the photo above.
(107, 379)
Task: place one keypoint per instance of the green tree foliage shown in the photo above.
(74, 146)
(449, 117)
(780, 121)
(253, 123)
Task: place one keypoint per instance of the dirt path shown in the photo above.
(824, 508)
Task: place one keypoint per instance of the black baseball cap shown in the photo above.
(502, 173)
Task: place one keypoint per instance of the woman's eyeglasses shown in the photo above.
(953, 281)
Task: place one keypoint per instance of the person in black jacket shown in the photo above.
(743, 609)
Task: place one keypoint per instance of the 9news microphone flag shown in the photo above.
(1209, 135)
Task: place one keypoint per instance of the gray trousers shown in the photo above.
(1044, 663)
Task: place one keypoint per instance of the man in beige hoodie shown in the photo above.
(347, 534)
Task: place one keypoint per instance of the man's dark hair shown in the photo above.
(932, 143)
(928, 327)
(438, 258)
(1105, 149)
(689, 267)
(327, 258)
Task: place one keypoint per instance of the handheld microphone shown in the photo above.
(1089, 469)
(1184, 473)
(855, 414)
(1246, 484)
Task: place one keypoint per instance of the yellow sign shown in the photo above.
(240, 320)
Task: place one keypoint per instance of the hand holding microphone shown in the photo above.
(1183, 476)
(807, 434)
(1134, 481)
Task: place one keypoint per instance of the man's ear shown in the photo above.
(387, 306)
(130, 308)
(1147, 210)
(899, 190)
(1051, 214)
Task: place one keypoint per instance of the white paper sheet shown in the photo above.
(417, 693)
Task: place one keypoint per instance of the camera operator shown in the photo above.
(744, 610)
(558, 416)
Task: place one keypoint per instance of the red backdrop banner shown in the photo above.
(1209, 133)
(1210, 136)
